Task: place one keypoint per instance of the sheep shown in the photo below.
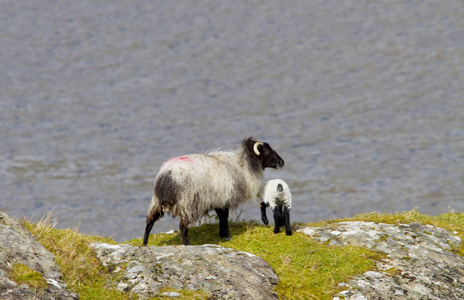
(191, 185)
(277, 195)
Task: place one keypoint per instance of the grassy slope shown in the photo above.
(307, 269)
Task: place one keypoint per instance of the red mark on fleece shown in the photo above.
(181, 158)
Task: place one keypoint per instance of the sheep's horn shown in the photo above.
(255, 147)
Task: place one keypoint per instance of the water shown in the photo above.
(363, 100)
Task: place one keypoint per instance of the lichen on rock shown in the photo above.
(222, 272)
(420, 262)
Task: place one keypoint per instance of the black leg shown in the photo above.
(263, 213)
(281, 220)
(149, 227)
(223, 215)
(286, 214)
(184, 231)
(277, 218)
(147, 231)
(279, 207)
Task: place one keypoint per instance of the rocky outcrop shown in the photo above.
(222, 272)
(19, 246)
(420, 262)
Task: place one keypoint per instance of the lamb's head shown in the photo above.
(263, 153)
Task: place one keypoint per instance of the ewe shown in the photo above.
(191, 185)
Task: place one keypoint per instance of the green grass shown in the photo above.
(81, 270)
(306, 269)
(22, 274)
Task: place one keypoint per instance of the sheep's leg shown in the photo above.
(286, 214)
(277, 218)
(149, 226)
(223, 215)
(184, 232)
(263, 206)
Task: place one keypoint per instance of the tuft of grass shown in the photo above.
(306, 268)
(23, 274)
(82, 271)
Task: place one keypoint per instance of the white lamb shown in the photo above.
(277, 195)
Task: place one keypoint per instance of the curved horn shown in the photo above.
(256, 145)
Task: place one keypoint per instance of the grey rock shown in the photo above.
(17, 245)
(222, 272)
(420, 260)
(171, 294)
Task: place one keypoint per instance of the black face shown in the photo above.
(270, 158)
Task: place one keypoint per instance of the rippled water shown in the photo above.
(363, 100)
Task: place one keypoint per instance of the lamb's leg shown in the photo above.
(184, 231)
(277, 218)
(223, 215)
(263, 213)
(286, 214)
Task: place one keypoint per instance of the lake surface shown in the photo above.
(364, 100)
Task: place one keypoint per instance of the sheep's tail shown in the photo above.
(154, 213)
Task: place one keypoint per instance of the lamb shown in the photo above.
(191, 185)
(277, 195)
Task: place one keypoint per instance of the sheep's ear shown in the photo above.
(248, 144)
